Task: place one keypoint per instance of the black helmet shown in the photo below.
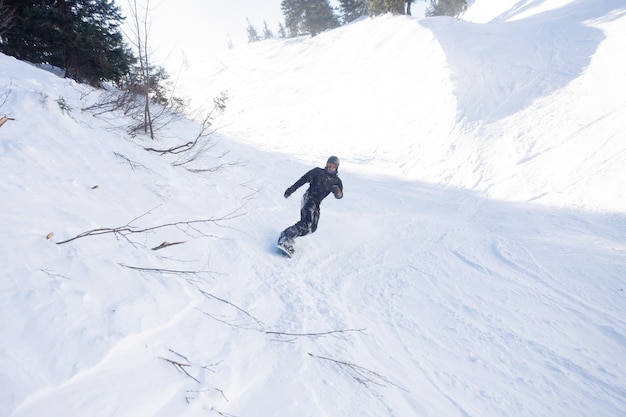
(333, 160)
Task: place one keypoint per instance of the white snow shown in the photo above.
(476, 265)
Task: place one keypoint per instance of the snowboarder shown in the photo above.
(322, 181)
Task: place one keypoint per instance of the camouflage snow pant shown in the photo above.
(309, 216)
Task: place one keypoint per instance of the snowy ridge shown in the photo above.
(475, 267)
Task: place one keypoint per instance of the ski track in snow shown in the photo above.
(491, 251)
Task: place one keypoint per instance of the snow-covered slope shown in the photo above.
(490, 107)
(475, 267)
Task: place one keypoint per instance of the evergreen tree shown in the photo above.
(267, 33)
(320, 17)
(6, 19)
(308, 16)
(253, 34)
(95, 50)
(377, 7)
(446, 7)
(80, 36)
(32, 31)
(294, 14)
(352, 9)
(282, 32)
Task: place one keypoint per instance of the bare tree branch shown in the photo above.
(166, 244)
(318, 334)
(360, 374)
(207, 390)
(192, 150)
(133, 165)
(53, 275)
(130, 229)
(162, 271)
(139, 38)
(244, 312)
(180, 367)
(3, 119)
(222, 414)
(6, 95)
(195, 278)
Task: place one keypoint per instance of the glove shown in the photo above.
(288, 192)
(336, 191)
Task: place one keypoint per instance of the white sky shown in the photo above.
(190, 30)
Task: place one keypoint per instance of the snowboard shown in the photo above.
(284, 251)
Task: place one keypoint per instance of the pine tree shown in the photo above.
(253, 34)
(320, 17)
(308, 16)
(377, 7)
(32, 30)
(95, 50)
(6, 19)
(352, 9)
(267, 33)
(294, 14)
(80, 36)
(446, 7)
(282, 32)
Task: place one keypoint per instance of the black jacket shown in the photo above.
(320, 184)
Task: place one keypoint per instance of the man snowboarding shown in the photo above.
(322, 181)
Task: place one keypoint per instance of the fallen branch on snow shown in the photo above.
(129, 229)
(180, 366)
(318, 334)
(359, 373)
(165, 244)
(4, 119)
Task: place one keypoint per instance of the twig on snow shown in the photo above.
(180, 367)
(317, 334)
(360, 374)
(130, 229)
(209, 295)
